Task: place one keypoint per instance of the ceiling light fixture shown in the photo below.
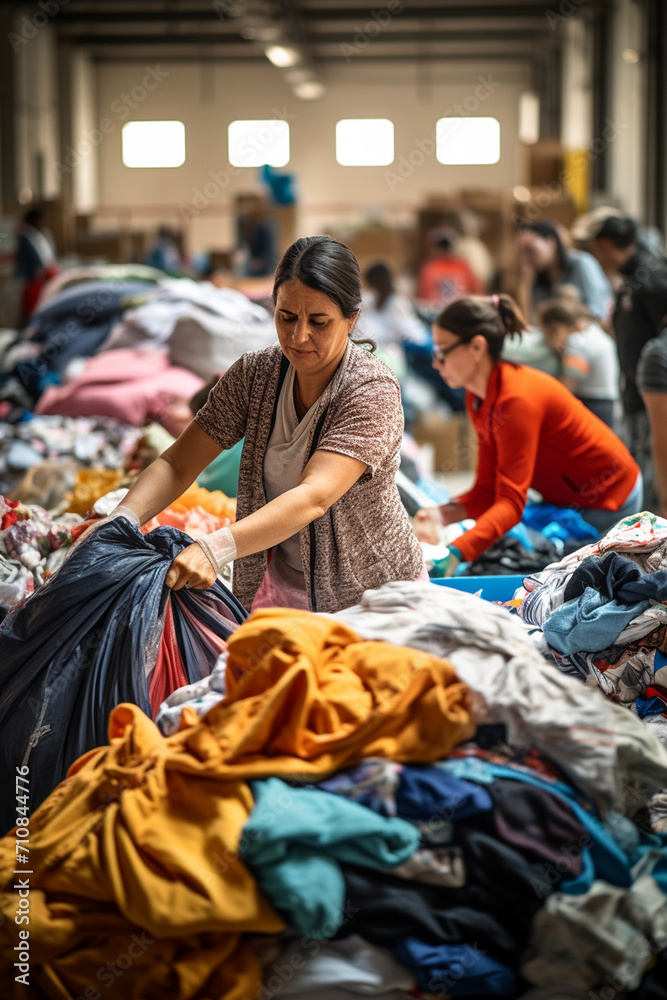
(282, 56)
(309, 90)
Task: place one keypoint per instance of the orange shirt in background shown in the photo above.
(442, 279)
(532, 431)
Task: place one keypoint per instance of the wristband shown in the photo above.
(219, 548)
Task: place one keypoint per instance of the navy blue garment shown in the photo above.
(617, 578)
(82, 643)
(455, 970)
(430, 793)
(608, 575)
(80, 318)
(647, 707)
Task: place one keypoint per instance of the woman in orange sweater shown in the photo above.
(531, 431)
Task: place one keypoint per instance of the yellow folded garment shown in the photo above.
(138, 847)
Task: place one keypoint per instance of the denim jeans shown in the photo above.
(603, 520)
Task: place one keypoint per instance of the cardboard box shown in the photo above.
(453, 440)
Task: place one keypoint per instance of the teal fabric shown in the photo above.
(295, 838)
(223, 472)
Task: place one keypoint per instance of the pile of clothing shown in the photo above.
(397, 800)
(33, 545)
(179, 330)
(105, 629)
(43, 454)
(130, 385)
(205, 328)
(600, 615)
(545, 534)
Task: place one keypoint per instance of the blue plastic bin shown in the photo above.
(494, 588)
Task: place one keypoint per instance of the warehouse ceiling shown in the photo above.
(322, 31)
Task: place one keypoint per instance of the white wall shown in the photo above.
(207, 98)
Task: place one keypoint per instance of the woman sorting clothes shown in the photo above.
(322, 421)
(531, 432)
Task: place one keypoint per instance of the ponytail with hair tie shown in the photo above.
(492, 317)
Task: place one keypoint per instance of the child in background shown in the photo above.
(589, 360)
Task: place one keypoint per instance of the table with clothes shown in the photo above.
(397, 800)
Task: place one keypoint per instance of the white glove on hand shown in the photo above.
(219, 548)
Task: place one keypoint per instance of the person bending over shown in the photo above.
(319, 517)
(531, 431)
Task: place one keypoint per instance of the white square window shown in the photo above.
(256, 142)
(365, 142)
(467, 140)
(153, 144)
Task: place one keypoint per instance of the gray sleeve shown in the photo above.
(652, 366)
(224, 415)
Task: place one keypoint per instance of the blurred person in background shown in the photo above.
(35, 260)
(256, 236)
(165, 254)
(546, 264)
(652, 386)
(589, 363)
(445, 275)
(641, 300)
(468, 226)
(389, 317)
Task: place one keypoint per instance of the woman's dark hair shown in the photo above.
(621, 231)
(378, 277)
(492, 317)
(327, 266)
(548, 230)
(33, 217)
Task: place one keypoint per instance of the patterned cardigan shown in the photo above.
(365, 539)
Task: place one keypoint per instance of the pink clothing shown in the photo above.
(275, 592)
(130, 385)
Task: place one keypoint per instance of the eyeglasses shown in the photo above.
(440, 353)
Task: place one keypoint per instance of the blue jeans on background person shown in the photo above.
(603, 520)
